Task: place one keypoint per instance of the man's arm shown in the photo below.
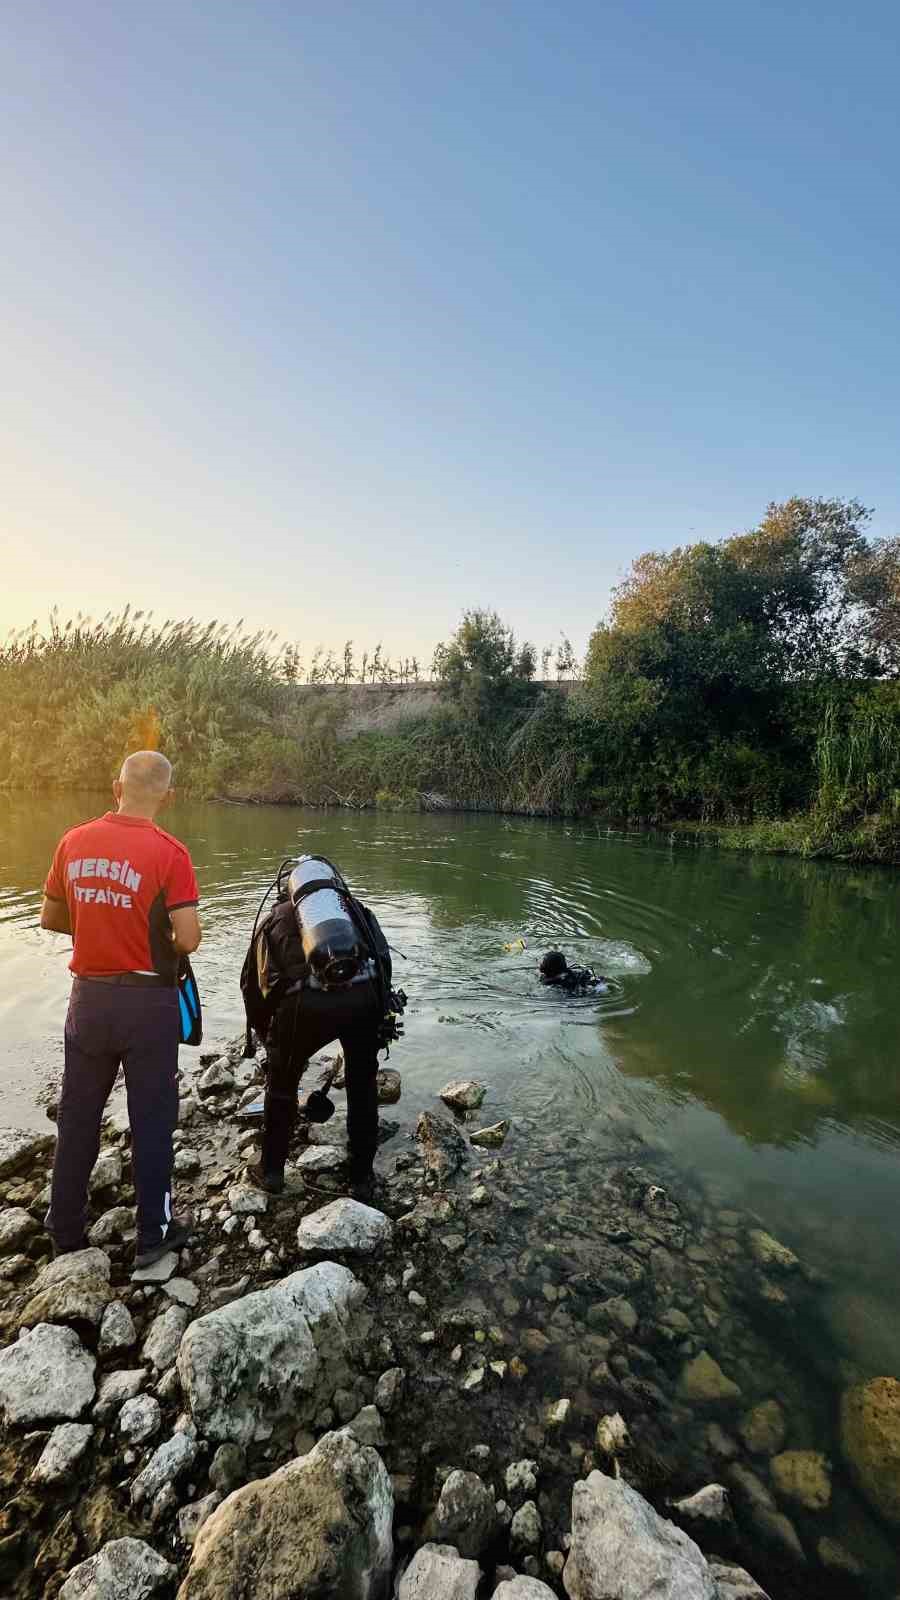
(55, 916)
(186, 930)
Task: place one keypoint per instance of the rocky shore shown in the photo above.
(531, 1368)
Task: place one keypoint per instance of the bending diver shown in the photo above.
(557, 974)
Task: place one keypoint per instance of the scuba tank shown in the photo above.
(332, 947)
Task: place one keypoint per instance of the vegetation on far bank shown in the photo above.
(747, 689)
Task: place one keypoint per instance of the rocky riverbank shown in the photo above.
(475, 1386)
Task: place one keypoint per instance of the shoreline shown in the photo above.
(623, 1342)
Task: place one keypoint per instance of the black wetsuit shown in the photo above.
(575, 980)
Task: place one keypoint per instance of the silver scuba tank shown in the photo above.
(331, 943)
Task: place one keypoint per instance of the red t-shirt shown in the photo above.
(120, 877)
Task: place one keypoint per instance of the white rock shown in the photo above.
(17, 1226)
(191, 1518)
(19, 1148)
(46, 1375)
(621, 1548)
(522, 1588)
(302, 1334)
(65, 1446)
(438, 1572)
(217, 1079)
(125, 1569)
(345, 1227)
(115, 1389)
(73, 1288)
(526, 1529)
(612, 1434)
(465, 1515)
(522, 1477)
(158, 1271)
(163, 1339)
(182, 1291)
(117, 1330)
(735, 1583)
(320, 1158)
(710, 1504)
(113, 1227)
(140, 1419)
(244, 1200)
(557, 1413)
(166, 1464)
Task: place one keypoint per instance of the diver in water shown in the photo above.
(319, 969)
(557, 974)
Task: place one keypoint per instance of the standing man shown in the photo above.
(127, 893)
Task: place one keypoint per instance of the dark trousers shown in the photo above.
(304, 1023)
(108, 1026)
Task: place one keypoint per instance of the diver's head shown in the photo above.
(553, 965)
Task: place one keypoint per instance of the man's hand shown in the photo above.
(55, 916)
(186, 931)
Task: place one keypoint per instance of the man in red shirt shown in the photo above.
(127, 893)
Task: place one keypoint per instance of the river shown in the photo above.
(751, 1029)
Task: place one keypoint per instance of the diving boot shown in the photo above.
(272, 1182)
(152, 1247)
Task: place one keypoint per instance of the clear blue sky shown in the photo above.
(344, 316)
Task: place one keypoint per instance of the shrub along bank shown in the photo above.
(744, 692)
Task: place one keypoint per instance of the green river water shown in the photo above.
(751, 1031)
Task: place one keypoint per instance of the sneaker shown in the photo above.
(177, 1235)
(272, 1182)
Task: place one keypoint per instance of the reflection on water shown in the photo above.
(752, 1021)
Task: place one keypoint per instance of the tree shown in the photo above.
(566, 664)
(481, 667)
(874, 585)
(347, 672)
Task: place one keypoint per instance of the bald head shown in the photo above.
(144, 782)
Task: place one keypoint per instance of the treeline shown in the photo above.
(748, 689)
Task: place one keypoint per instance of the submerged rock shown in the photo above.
(770, 1253)
(47, 1375)
(320, 1525)
(464, 1516)
(703, 1381)
(622, 1549)
(390, 1086)
(802, 1476)
(439, 1572)
(870, 1439)
(443, 1148)
(764, 1429)
(125, 1569)
(491, 1138)
(273, 1357)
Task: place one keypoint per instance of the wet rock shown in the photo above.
(344, 1227)
(390, 1086)
(465, 1515)
(19, 1149)
(73, 1288)
(115, 1389)
(759, 1510)
(46, 1376)
(191, 1518)
(368, 1427)
(164, 1337)
(710, 1504)
(320, 1525)
(617, 1313)
(733, 1583)
(526, 1529)
(523, 1588)
(703, 1382)
(802, 1476)
(443, 1148)
(107, 1173)
(720, 1443)
(439, 1572)
(463, 1094)
(125, 1569)
(389, 1389)
(173, 1458)
(622, 1549)
(140, 1419)
(521, 1478)
(490, 1138)
(836, 1558)
(117, 1330)
(64, 1448)
(870, 1440)
(17, 1226)
(159, 1271)
(273, 1356)
(612, 1435)
(228, 1468)
(770, 1254)
(764, 1429)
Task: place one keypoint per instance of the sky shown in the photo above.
(342, 317)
